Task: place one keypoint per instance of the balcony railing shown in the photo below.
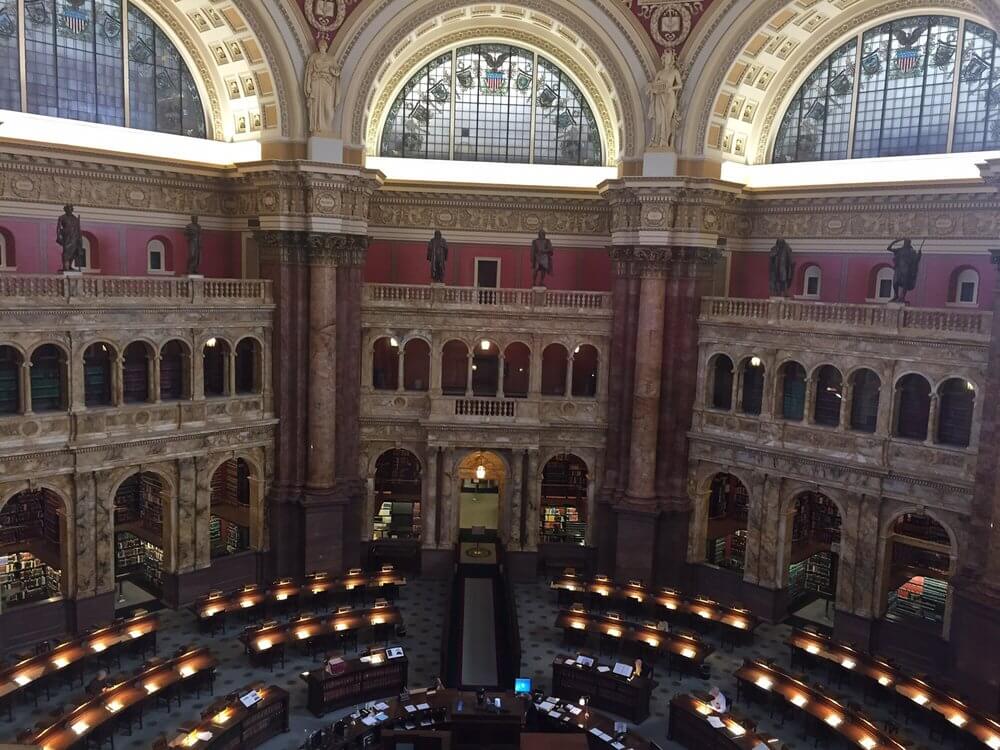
(886, 319)
(485, 407)
(427, 297)
(111, 290)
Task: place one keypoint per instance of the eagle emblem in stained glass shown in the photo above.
(904, 102)
(492, 102)
(74, 18)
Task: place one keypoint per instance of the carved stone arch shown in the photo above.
(165, 470)
(9, 490)
(417, 336)
(377, 451)
(849, 373)
(793, 488)
(596, 42)
(250, 455)
(584, 454)
(116, 348)
(813, 372)
(202, 339)
(903, 373)
(902, 508)
(460, 454)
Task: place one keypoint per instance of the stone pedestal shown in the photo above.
(325, 149)
(659, 164)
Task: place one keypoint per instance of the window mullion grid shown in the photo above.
(955, 85)
(885, 90)
(990, 109)
(127, 98)
(923, 85)
(534, 98)
(855, 95)
(454, 105)
(22, 54)
(510, 67)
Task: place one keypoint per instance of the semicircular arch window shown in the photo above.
(79, 61)
(492, 102)
(916, 85)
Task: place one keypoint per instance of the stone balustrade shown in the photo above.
(44, 290)
(441, 297)
(887, 319)
(485, 407)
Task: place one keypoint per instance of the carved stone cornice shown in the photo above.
(475, 212)
(286, 247)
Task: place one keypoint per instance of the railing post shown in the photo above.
(197, 289)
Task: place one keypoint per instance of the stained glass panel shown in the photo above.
(74, 61)
(905, 94)
(476, 104)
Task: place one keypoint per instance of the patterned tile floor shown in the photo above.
(423, 603)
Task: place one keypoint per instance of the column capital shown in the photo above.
(662, 260)
(339, 250)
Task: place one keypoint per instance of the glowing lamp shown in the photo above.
(340, 626)
(834, 720)
(690, 653)
(393, 342)
(670, 605)
(614, 632)
(867, 743)
(22, 679)
(317, 590)
(60, 662)
(114, 706)
(993, 742)
(480, 472)
(704, 709)
(187, 670)
(98, 647)
(151, 687)
(602, 592)
(741, 624)
(302, 634)
(378, 620)
(920, 699)
(135, 633)
(884, 681)
(652, 642)
(800, 700)
(351, 586)
(211, 342)
(577, 625)
(80, 727)
(354, 572)
(848, 663)
(764, 682)
(281, 597)
(190, 739)
(735, 729)
(484, 345)
(958, 720)
(812, 648)
(211, 611)
(223, 716)
(264, 644)
(755, 361)
(246, 603)
(704, 613)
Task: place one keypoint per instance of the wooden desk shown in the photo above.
(75, 652)
(218, 604)
(566, 716)
(258, 640)
(628, 698)
(689, 726)
(707, 609)
(922, 694)
(376, 677)
(73, 729)
(472, 725)
(227, 724)
(319, 583)
(689, 647)
(757, 678)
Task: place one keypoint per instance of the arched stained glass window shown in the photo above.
(918, 85)
(74, 62)
(492, 102)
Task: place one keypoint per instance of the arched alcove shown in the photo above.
(565, 483)
(33, 548)
(728, 511)
(215, 367)
(793, 391)
(585, 364)
(416, 365)
(398, 487)
(136, 372)
(231, 512)
(98, 386)
(11, 364)
(920, 559)
(720, 382)
(913, 407)
(866, 388)
(516, 370)
(385, 364)
(48, 379)
(454, 368)
(482, 478)
(175, 371)
(139, 504)
(752, 386)
(814, 555)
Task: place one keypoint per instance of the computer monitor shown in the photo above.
(522, 685)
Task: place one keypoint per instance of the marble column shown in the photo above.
(400, 367)
(646, 398)
(430, 494)
(531, 502)
(154, 379)
(516, 497)
(83, 527)
(500, 378)
(322, 447)
(447, 500)
(202, 512)
(614, 386)
(186, 499)
(568, 392)
(24, 396)
(104, 533)
(932, 420)
(197, 370)
(470, 363)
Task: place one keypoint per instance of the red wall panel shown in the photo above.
(397, 262)
(849, 277)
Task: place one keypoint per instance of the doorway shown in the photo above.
(482, 475)
(138, 524)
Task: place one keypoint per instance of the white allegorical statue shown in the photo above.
(322, 81)
(665, 92)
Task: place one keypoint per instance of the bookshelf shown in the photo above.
(30, 537)
(25, 578)
(396, 519)
(397, 496)
(226, 537)
(10, 380)
(562, 523)
(727, 551)
(564, 500)
(46, 379)
(816, 519)
(356, 682)
(920, 598)
(96, 376)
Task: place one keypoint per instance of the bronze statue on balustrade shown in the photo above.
(781, 269)
(905, 266)
(541, 258)
(192, 232)
(437, 254)
(70, 237)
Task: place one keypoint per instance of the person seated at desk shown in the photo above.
(719, 702)
(97, 685)
(663, 626)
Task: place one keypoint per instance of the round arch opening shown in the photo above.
(232, 501)
(398, 486)
(139, 547)
(814, 528)
(726, 533)
(565, 485)
(920, 559)
(483, 476)
(33, 550)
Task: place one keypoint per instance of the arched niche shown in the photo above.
(564, 500)
(920, 559)
(726, 530)
(33, 548)
(398, 488)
